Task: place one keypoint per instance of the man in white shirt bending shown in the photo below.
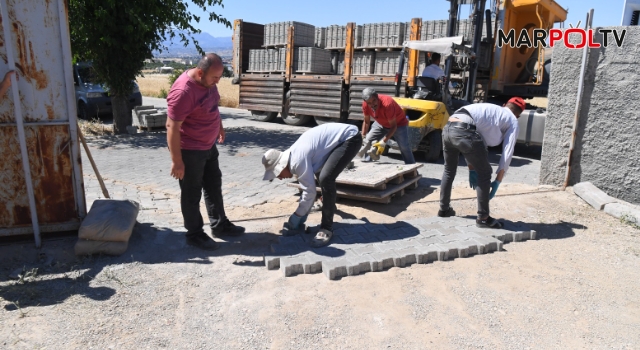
(325, 150)
(470, 131)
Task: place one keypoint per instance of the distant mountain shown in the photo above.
(206, 41)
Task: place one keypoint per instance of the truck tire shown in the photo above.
(296, 120)
(324, 120)
(434, 140)
(263, 116)
(82, 110)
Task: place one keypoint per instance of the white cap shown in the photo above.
(274, 162)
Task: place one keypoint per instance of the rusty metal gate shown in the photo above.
(384, 87)
(41, 188)
(262, 92)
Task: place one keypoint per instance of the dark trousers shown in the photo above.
(338, 160)
(469, 142)
(201, 173)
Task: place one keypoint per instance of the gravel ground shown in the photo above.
(574, 287)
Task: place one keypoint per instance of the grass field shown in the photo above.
(152, 85)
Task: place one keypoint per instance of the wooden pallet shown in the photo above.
(377, 175)
(375, 182)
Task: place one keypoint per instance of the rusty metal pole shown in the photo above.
(348, 51)
(8, 41)
(290, 54)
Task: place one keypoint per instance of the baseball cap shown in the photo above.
(274, 162)
(518, 101)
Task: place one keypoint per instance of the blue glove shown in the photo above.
(296, 222)
(473, 179)
(494, 189)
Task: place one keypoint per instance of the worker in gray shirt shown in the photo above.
(324, 151)
(469, 131)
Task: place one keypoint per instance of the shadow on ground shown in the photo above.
(59, 274)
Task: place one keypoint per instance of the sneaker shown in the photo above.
(489, 222)
(322, 238)
(446, 213)
(202, 241)
(227, 229)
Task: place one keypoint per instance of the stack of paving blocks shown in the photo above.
(320, 39)
(386, 63)
(149, 117)
(276, 34)
(383, 35)
(314, 60)
(363, 62)
(337, 37)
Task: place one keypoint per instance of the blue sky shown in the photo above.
(326, 12)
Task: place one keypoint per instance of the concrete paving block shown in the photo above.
(378, 234)
(398, 260)
(381, 261)
(366, 249)
(428, 241)
(397, 225)
(334, 268)
(312, 266)
(620, 210)
(271, 261)
(408, 232)
(450, 231)
(356, 229)
(410, 255)
(339, 232)
(375, 227)
(291, 266)
(426, 221)
(358, 264)
(354, 238)
(592, 195)
(426, 254)
(429, 233)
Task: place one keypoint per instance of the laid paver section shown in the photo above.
(359, 247)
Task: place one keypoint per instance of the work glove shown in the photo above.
(494, 188)
(473, 179)
(297, 222)
(365, 147)
(380, 145)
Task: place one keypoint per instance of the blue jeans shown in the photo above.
(401, 136)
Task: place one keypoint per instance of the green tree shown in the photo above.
(118, 35)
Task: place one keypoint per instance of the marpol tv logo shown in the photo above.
(557, 36)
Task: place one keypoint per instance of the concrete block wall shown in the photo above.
(383, 35)
(607, 152)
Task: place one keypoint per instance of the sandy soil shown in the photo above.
(575, 287)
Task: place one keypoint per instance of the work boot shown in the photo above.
(227, 229)
(365, 146)
(202, 241)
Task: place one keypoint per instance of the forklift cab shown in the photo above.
(427, 88)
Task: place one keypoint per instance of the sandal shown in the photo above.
(322, 238)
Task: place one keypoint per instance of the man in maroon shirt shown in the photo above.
(389, 121)
(193, 128)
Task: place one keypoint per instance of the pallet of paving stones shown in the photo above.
(376, 182)
(149, 117)
(359, 247)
